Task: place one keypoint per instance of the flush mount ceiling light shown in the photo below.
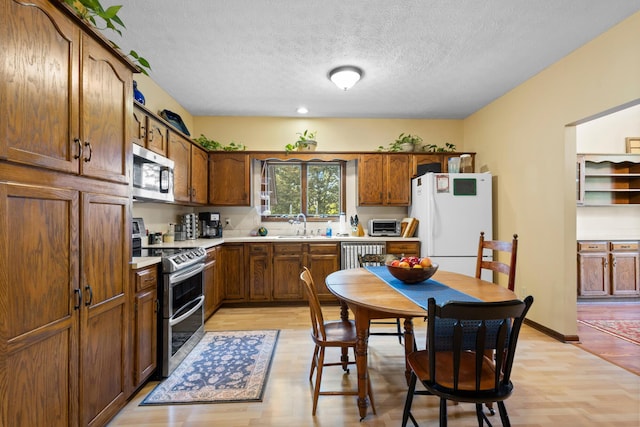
(345, 77)
(302, 110)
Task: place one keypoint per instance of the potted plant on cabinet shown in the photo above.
(306, 142)
(404, 142)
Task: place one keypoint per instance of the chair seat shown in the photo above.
(339, 334)
(419, 362)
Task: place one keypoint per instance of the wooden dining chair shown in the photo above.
(497, 246)
(339, 334)
(366, 260)
(455, 365)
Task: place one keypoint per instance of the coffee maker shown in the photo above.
(210, 225)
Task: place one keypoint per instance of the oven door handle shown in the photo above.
(187, 273)
(175, 320)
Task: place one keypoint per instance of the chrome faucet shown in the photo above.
(304, 233)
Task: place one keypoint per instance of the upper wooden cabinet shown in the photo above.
(68, 107)
(190, 178)
(608, 179)
(384, 179)
(229, 179)
(149, 131)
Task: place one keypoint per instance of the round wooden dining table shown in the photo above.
(369, 297)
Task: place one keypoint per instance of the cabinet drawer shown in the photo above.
(592, 247)
(146, 278)
(407, 248)
(259, 248)
(287, 248)
(323, 248)
(624, 246)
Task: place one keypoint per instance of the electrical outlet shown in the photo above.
(227, 221)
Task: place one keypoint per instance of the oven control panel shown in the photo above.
(182, 259)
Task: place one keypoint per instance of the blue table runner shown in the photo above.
(420, 293)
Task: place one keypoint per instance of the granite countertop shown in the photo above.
(140, 262)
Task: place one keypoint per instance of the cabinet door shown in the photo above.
(212, 294)
(199, 175)
(322, 260)
(156, 136)
(232, 270)
(398, 179)
(146, 335)
(105, 111)
(229, 183)
(370, 179)
(593, 274)
(624, 273)
(104, 266)
(259, 274)
(287, 266)
(39, 323)
(41, 39)
(433, 161)
(179, 150)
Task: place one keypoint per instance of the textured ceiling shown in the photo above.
(421, 59)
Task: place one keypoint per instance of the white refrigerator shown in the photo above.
(452, 210)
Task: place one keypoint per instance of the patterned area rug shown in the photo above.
(223, 367)
(628, 330)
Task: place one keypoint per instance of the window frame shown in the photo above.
(303, 183)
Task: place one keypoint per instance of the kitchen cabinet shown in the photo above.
(68, 117)
(625, 269)
(608, 179)
(323, 259)
(150, 131)
(66, 320)
(435, 161)
(608, 269)
(229, 179)
(287, 266)
(190, 170)
(65, 154)
(145, 321)
(384, 179)
(232, 268)
(213, 293)
(403, 248)
(259, 272)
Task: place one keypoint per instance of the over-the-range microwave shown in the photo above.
(152, 175)
(384, 227)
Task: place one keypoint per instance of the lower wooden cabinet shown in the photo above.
(145, 322)
(232, 268)
(608, 268)
(259, 257)
(287, 265)
(213, 292)
(322, 260)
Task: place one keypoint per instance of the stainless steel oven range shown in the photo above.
(181, 314)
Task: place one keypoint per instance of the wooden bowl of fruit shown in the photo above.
(412, 269)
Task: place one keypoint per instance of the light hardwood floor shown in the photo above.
(555, 384)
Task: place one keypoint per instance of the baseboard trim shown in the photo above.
(553, 334)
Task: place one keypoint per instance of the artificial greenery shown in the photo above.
(432, 148)
(212, 145)
(89, 10)
(400, 141)
(305, 139)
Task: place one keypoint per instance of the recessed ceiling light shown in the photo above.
(302, 110)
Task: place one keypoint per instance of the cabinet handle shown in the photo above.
(143, 132)
(193, 192)
(78, 298)
(90, 300)
(79, 146)
(88, 145)
(151, 135)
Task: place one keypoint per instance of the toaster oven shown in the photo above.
(384, 227)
